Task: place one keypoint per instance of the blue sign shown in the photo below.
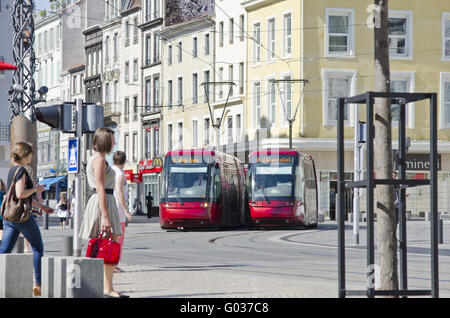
(72, 160)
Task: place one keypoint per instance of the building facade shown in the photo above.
(329, 44)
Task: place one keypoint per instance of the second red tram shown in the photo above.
(202, 189)
(282, 189)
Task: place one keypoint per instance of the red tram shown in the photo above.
(282, 189)
(202, 189)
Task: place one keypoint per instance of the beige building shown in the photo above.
(330, 44)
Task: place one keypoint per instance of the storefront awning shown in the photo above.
(47, 182)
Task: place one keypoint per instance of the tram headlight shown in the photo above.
(205, 205)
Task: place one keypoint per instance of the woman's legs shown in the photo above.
(32, 233)
(108, 276)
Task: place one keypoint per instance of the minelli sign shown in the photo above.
(417, 162)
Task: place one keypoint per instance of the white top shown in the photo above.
(119, 173)
(62, 213)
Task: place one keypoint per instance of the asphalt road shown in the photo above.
(290, 256)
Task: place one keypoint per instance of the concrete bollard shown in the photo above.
(48, 277)
(20, 245)
(67, 245)
(16, 275)
(75, 277)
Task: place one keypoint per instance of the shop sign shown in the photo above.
(128, 174)
(150, 166)
(417, 162)
(136, 178)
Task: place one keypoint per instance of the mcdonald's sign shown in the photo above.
(150, 166)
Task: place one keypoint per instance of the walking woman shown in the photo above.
(101, 213)
(21, 154)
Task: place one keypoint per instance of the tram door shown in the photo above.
(333, 198)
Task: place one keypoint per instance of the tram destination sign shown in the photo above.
(273, 159)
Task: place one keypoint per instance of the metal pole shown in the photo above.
(356, 178)
(402, 199)
(341, 200)
(77, 216)
(290, 133)
(434, 197)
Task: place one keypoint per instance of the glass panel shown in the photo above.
(187, 182)
(397, 87)
(338, 24)
(397, 26)
(338, 43)
(337, 88)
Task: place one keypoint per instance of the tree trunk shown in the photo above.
(384, 194)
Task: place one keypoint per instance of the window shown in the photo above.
(127, 72)
(116, 47)
(148, 10)
(135, 147)
(231, 31)
(180, 91)
(194, 133)
(230, 78)
(402, 82)
(169, 55)
(195, 47)
(220, 86)
(337, 84)
(180, 52)
(170, 93)
(156, 10)
(207, 44)
(257, 43)
(340, 32)
(238, 128)
(241, 78)
(127, 33)
(156, 43)
(230, 129)
(135, 30)
(107, 50)
(242, 26)
(127, 109)
(271, 105)
(135, 107)
(147, 142)
(271, 39)
(287, 35)
(156, 93)
(206, 76)
(135, 70)
(445, 100)
(169, 137)
(287, 98)
(446, 35)
(106, 93)
(257, 104)
(148, 94)
(125, 145)
(400, 34)
(148, 49)
(206, 129)
(221, 33)
(180, 135)
(195, 88)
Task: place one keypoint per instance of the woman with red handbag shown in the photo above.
(101, 215)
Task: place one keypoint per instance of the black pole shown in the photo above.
(402, 198)
(434, 197)
(290, 133)
(340, 206)
(370, 194)
(46, 217)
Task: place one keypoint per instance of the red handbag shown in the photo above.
(104, 248)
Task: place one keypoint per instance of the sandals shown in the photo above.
(37, 290)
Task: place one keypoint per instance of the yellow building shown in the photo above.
(330, 44)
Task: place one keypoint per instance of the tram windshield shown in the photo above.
(188, 182)
(272, 181)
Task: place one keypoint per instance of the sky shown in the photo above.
(41, 4)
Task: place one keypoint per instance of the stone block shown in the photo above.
(47, 277)
(77, 277)
(16, 275)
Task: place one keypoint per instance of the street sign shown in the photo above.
(73, 155)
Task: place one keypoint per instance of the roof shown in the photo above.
(274, 151)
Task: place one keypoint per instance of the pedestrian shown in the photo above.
(62, 209)
(2, 196)
(21, 154)
(149, 202)
(101, 215)
(121, 195)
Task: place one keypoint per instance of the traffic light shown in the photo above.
(56, 116)
(63, 117)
